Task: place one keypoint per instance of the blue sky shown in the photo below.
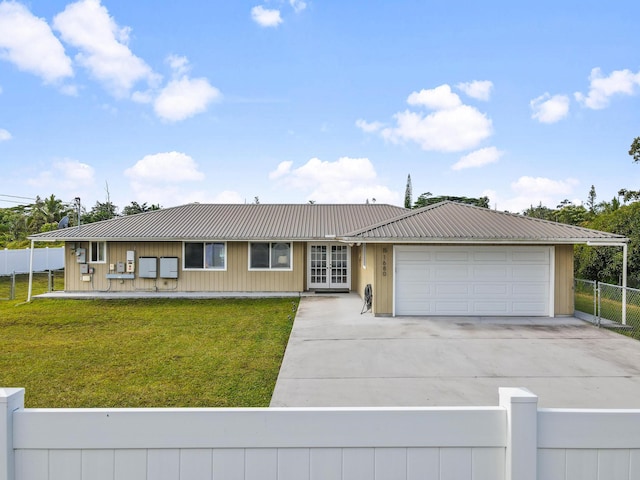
(289, 100)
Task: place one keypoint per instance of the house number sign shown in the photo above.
(384, 262)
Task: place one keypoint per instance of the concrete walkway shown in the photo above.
(338, 357)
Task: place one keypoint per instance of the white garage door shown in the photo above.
(479, 280)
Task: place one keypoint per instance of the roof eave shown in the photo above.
(528, 241)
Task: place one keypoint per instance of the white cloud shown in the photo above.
(450, 130)
(284, 168)
(185, 97)
(167, 167)
(228, 196)
(266, 17)
(548, 109)
(531, 191)
(601, 88)
(439, 98)
(298, 5)
(478, 158)
(368, 127)
(28, 42)
(478, 89)
(348, 180)
(451, 127)
(88, 26)
(178, 64)
(67, 175)
(543, 186)
(5, 135)
(167, 178)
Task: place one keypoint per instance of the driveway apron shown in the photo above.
(337, 356)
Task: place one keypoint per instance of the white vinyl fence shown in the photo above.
(17, 261)
(512, 441)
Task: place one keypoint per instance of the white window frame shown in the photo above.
(363, 253)
(104, 252)
(271, 268)
(204, 251)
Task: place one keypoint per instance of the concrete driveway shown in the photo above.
(338, 357)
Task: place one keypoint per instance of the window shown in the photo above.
(270, 256)
(205, 256)
(98, 252)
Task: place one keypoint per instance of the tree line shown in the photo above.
(46, 214)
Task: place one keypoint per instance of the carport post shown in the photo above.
(30, 271)
(522, 433)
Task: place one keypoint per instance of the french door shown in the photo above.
(329, 265)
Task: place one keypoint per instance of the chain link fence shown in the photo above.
(608, 305)
(15, 285)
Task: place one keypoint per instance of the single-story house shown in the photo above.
(444, 259)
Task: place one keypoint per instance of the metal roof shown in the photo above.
(232, 222)
(458, 222)
(449, 222)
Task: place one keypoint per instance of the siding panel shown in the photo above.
(228, 464)
(97, 464)
(564, 295)
(391, 463)
(261, 464)
(293, 464)
(196, 464)
(326, 464)
(423, 463)
(130, 464)
(236, 278)
(65, 465)
(358, 463)
(163, 464)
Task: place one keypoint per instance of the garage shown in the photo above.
(473, 280)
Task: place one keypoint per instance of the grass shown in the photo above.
(143, 353)
(612, 310)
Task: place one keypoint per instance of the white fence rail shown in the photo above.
(514, 440)
(43, 259)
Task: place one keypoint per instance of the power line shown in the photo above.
(16, 196)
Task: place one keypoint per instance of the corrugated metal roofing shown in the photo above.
(442, 222)
(233, 222)
(451, 221)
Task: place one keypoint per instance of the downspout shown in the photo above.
(30, 271)
(625, 251)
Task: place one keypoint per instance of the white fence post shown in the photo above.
(11, 399)
(522, 433)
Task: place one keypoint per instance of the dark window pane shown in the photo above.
(259, 255)
(193, 255)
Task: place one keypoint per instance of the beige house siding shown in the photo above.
(237, 277)
(383, 280)
(564, 295)
(378, 272)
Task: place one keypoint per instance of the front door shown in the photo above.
(329, 266)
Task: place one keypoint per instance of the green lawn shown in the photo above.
(143, 353)
(612, 310)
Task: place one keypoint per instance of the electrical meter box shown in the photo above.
(131, 261)
(148, 267)
(84, 268)
(81, 255)
(168, 267)
(120, 267)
